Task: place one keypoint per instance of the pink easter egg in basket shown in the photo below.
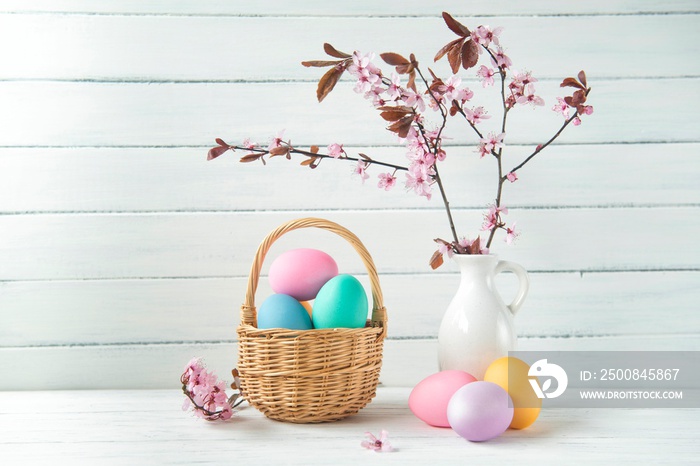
(301, 273)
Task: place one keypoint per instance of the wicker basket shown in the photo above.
(306, 376)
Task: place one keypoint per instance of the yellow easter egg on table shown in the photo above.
(511, 375)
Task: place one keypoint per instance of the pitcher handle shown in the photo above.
(523, 279)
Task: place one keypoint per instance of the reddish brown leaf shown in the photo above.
(436, 86)
(454, 56)
(571, 82)
(470, 54)
(214, 152)
(437, 260)
(280, 150)
(320, 63)
(403, 69)
(579, 97)
(412, 81)
(314, 149)
(399, 108)
(308, 162)
(333, 52)
(395, 113)
(328, 82)
(475, 247)
(569, 101)
(250, 157)
(220, 142)
(365, 156)
(441, 53)
(393, 59)
(454, 25)
(582, 78)
(402, 126)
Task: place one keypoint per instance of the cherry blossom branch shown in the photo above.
(292, 150)
(432, 95)
(556, 135)
(212, 415)
(499, 191)
(443, 194)
(403, 107)
(205, 392)
(460, 110)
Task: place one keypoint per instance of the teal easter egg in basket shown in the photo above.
(283, 311)
(340, 303)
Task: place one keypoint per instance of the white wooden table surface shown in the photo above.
(148, 427)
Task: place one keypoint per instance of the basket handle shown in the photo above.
(248, 313)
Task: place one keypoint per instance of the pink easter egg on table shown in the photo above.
(429, 399)
(301, 273)
(480, 411)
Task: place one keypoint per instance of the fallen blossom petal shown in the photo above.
(380, 444)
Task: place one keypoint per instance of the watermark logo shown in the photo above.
(542, 368)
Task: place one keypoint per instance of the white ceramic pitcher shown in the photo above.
(477, 327)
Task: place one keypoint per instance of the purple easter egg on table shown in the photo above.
(480, 411)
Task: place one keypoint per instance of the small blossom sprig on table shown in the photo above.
(404, 107)
(380, 444)
(206, 394)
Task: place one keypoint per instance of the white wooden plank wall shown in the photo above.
(123, 252)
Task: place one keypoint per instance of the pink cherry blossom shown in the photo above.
(380, 444)
(360, 62)
(336, 150)
(464, 242)
(445, 249)
(486, 75)
(512, 177)
(492, 219)
(576, 121)
(451, 89)
(418, 182)
(248, 144)
(376, 95)
(528, 97)
(522, 79)
(360, 169)
(368, 76)
(482, 150)
(588, 109)
(465, 95)
(491, 143)
(276, 141)
(394, 90)
(413, 99)
(476, 115)
(501, 59)
(483, 35)
(366, 82)
(561, 107)
(511, 234)
(386, 181)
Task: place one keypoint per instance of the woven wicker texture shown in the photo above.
(307, 376)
